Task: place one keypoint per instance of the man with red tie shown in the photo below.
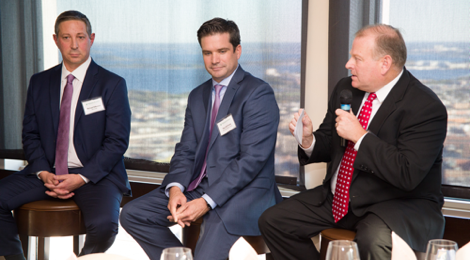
(76, 129)
(388, 176)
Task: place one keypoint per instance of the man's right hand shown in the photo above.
(48, 177)
(176, 200)
(307, 131)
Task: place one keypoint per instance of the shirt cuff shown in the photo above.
(37, 174)
(308, 151)
(209, 201)
(356, 146)
(85, 179)
(167, 189)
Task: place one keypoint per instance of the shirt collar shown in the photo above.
(227, 80)
(385, 90)
(79, 73)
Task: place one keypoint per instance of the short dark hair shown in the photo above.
(388, 41)
(219, 25)
(72, 15)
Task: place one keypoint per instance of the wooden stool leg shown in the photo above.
(76, 245)
(40, 251)
(25, 244)
(190, 235)
(43, 248)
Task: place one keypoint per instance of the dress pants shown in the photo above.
(99, 204)
(145, 218)
(288, 227)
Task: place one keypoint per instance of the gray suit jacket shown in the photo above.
(240, 164)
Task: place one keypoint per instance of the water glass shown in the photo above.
(176, 253)
(441, 249)
(342, 250)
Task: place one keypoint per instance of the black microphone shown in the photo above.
(345, 98)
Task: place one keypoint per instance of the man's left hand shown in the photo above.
(67, 184)
(191, 211)
(348, 126)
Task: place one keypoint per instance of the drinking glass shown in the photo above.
(441, 249)
(176, 253)
(342, 250)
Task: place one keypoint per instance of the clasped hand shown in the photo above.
(183, 212)
(61, 186)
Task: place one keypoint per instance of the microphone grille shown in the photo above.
(345, 96)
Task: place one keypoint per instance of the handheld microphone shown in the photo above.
(345, 99)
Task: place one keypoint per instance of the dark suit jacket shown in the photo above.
(397, 172)
(240, 164)
(100, 138)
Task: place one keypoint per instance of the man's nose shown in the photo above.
(215, 58)
(349, 64)
(74, 43)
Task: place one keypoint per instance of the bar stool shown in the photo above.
(331, 234)
(190, 236)
(47, 218)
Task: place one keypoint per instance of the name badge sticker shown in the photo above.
(226, 125)
(93, 105)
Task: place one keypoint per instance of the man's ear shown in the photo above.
(386, 64)
(55, 37)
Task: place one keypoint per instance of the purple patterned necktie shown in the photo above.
(215, 109)
(346, 169)
(62, 145)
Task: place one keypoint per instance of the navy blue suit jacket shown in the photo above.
(397, 171)
(240, 164)
(100, 138)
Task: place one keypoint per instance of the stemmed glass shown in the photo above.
(441, 249)
(176, 253)
(342, 250)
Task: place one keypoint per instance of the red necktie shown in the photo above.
(215, 109)
(62, 145)
(346, 169)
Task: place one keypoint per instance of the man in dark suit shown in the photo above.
(225, 175)
(75, 131)
(396, 173)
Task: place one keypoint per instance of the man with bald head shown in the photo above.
(386, 176)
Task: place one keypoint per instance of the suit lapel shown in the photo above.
(389, 104)
(204, 139)
(54, 94)
(226, 102)
(89, 83)
(358, 96)
(206, 96)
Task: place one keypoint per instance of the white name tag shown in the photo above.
(226, 125)
(93, 105)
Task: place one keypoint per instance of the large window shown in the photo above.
(153, 45)
(438, 41)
